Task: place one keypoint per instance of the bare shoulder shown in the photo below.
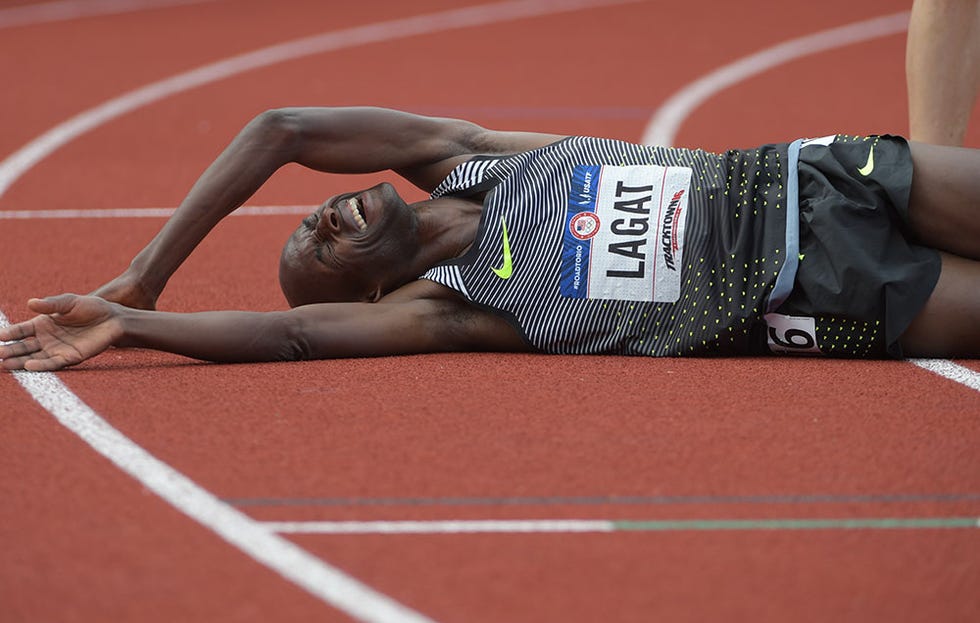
(456, 141)
(458, 137)
(495, 142)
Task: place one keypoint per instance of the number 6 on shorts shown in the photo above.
(792, 334)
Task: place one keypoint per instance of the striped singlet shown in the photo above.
(600, 246)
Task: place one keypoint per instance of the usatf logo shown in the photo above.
(584, 225)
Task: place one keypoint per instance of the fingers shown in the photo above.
(29, 355)
(20, 347)
(17, 331)
(47, 364)
(60, 304)
(17, 349)
(14, 363)
(36, 362)
(13, 356)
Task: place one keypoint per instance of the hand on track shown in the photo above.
(127, 290)
(70, 329)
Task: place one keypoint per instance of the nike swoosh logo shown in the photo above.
(869, 166)
(505, 271)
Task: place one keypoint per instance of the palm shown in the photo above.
(69, 331)
(71, 344)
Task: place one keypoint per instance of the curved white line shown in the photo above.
(952, 371)
(251, 537)
(26, 157)
(64, 10)
(662, 128)
(290, 561)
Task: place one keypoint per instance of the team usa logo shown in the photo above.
(584, 225)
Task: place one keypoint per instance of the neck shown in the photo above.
(447, 228)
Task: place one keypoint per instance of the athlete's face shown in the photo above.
(349, 249)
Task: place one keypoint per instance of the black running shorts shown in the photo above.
(862, 276)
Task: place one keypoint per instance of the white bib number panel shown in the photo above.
(793, 335)
(624, 234)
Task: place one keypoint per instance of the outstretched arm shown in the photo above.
(71, 329)
(332, 140)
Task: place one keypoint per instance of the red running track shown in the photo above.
(458, 436)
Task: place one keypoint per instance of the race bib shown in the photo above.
(624, 233)
(795, 335)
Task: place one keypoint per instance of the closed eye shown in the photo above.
(319, 246)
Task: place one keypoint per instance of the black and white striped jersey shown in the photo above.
(600, 246)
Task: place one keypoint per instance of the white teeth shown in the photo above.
(355, 209)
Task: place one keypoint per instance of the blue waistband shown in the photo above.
(787, 274)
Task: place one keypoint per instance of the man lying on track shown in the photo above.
(845, 246)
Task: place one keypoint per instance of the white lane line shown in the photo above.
(951, 371)
(439, 527)
(65, 10)
(666, 121)
(145, 212)
(520, 526)
(662, 128)
(26, 157)
(292, 562)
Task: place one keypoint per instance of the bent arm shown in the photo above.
(421, 149)
(332, 140)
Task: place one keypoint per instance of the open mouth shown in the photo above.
(357, 212)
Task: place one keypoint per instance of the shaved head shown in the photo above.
(304, 281)
(354, 247)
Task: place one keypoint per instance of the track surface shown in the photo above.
(458, 437)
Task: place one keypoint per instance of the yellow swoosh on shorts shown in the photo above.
(869, 165)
